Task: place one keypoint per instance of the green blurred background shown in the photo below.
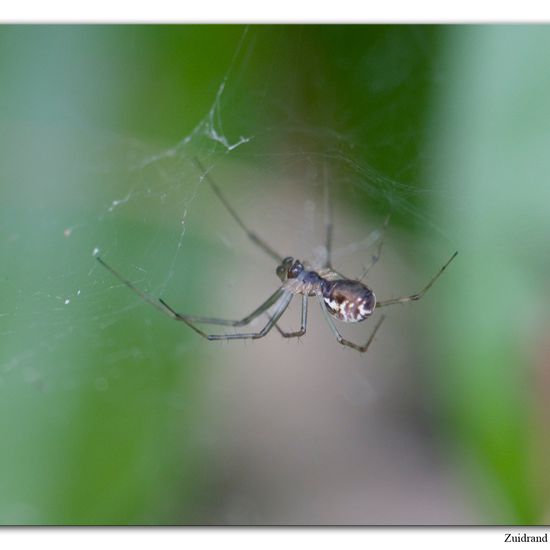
(111, 413)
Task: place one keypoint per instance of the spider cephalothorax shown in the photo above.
(289, 269)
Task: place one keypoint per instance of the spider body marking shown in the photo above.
(340, 298)
(347, 300)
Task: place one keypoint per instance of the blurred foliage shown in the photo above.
(491, 122)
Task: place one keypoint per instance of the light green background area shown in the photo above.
(101, 414)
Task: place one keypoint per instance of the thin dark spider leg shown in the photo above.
(418, 295)
(251, 235)
(229, 322)
(356, 247)
(163, 307)
(340, 338)
(143, 295)
(281, 308)
(376, 256)
(303, 326)
(328, 217)
(365, 244)
(148, 298)
(284, 302)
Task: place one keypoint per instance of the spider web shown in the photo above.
(223, 143)
(261, 146)
(267, 123)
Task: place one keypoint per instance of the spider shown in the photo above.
(340, 298)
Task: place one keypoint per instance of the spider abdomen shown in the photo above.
(349, 301)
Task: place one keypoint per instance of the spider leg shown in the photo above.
(376, 256)
(340, 338)
(328, 218)
(418, 295)
(303, 326)
(282, 305)
(364, 244)
(147, 297)
(284, 300)
(143, 295)
(189, 320)
(226, 322)
(251, 235)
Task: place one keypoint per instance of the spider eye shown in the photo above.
(295, 270)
